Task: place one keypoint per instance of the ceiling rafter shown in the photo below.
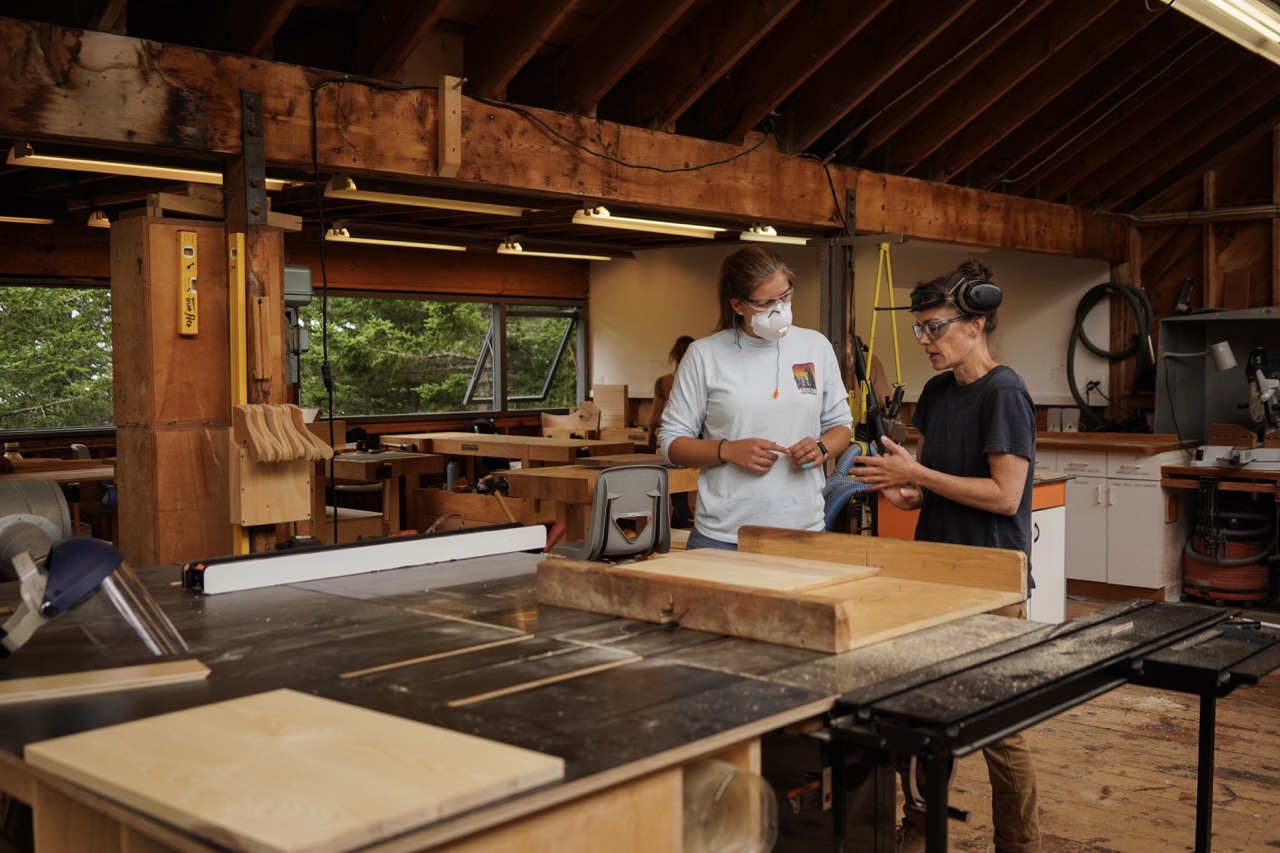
(249, 27)
(1145, 115)
(1031, 95)
(777, 65)
(1220, 123)
(896, 35)
(615, 42)
(506, 39)
(389, 31)
(925, 78)
(1069, 118)
(675, 80)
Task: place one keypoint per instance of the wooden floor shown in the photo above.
(1119, 773)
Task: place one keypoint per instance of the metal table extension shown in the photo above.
(946, 711)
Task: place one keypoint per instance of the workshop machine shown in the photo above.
(61, 573)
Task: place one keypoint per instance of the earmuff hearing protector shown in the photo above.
(972, 294)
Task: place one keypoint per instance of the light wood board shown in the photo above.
(828, 605)
(100, 680)
(759, 571)
(287, 771)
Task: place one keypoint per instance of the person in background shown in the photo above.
(758, 406)
(972, 484)
(681, 514)
(662, 388)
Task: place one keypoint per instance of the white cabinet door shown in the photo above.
(1048, 601)
(1136, 533)
(1087, 529)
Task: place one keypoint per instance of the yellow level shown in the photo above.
(188, 301)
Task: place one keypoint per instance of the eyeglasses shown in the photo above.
(770, 304)
(934, 328)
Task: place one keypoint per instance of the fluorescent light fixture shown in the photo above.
(1254, 24)
(412, 236)
(601, 217)
(767, 234)
(511, 247)
(341, 186)
(26, 220)
(99, 219)
(343, 235)
(22, 154)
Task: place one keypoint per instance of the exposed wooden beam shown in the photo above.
(795, 49)
(180, 105)
(1088, 97)
(388, 32)
(1169, 141)
(724, 31)
(615, 42)
(506, 38)
(112, 17)
(993, 79)
(249, 27)
(1035, 92)
(894, 37)
(1198, 67)
(971, 40)
(1220, 132)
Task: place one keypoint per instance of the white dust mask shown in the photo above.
(773, 324)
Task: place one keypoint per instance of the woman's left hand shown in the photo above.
(806, 453)
(894, 468)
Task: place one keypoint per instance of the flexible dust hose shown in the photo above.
(840, 487)
(1142, 313)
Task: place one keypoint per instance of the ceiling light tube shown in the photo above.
(341, 186)
(412, 236)
(22, 154)
(601, 217)
(767, 234)
(512, 247)
(1249, 23)
(26, 220)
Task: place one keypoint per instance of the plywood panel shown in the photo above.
(286, 771)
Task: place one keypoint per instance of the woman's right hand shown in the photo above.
(753, 454)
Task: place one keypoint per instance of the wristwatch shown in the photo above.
(823, 448)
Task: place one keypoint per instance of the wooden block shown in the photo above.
(636, 435)
(958, 565)
(287, 771)
(269, 492)
(612, 402)
(832, 605)
(100, 680)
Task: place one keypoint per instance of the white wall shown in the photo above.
(1041, 294)
(639, 308)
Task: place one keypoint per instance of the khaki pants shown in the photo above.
(1013, 797)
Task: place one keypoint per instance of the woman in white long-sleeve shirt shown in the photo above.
(759, 406)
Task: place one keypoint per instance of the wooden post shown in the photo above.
(172, 405)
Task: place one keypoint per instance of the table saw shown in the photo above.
(465, 646)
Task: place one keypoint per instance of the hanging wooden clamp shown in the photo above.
(274, 456)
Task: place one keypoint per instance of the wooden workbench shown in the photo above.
(568, 490)
(626, 704)
(397, 471)
(528, 450)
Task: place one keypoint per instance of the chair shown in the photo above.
(629, 516)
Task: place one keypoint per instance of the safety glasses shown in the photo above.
(934, 328)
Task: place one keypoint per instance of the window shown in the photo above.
(55, 357)
(395, 355)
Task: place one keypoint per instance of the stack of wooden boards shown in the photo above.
(844, 592)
